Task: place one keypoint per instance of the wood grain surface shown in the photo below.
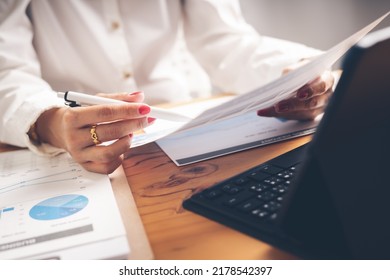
(159, 188)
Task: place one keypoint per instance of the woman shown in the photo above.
(118, 48)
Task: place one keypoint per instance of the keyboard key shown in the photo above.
(279, 189)
(270, 169)
(242, 180)
(271, 206)
(258, 187)
(267, 196)
(260, 213)
(231, 189)
(274, 180)
(250, 205)
(272, 217)
(212, 193)
(294, 167)
(258, 175)
(234, 200)
(287, 174)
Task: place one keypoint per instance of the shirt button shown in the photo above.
(127, 75)
(115, 25)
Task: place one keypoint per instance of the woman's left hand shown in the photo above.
(309, 101)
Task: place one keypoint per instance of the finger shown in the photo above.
(112, 131)
(305, 115)
(292, 115)
(318, 86)
(295, 104)
(137, 96)
(103, 168)
(84, 116)
(104, 155)
(267, 112)
(106, 132)
(297, 109)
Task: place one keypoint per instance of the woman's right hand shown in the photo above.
(72, 129)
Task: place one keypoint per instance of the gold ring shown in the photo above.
(94, 136)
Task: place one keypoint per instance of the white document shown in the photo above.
(265, 96)
(230, 135)
(51, 208)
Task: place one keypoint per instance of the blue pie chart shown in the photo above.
(58, 207)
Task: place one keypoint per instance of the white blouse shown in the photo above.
(96, 46)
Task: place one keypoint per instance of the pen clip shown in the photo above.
(70, 103)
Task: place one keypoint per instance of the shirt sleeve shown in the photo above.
(235, 56)
(24, 95)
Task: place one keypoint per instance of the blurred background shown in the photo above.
(316, 23)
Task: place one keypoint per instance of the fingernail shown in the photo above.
(303, 94)
(282, 106)
(135, 93)
(263, 113)
(144, 109)
(150, 120)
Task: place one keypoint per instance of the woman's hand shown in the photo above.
(309, 101)
(80, 130)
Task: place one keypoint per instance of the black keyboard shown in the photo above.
(252, 198)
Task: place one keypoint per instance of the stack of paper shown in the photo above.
(51, 208)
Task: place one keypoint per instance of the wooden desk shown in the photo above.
(159, 188)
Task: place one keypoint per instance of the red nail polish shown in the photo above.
(150, 120)
(144, 109)
(303, 94)
(135, 93)
(263, 113)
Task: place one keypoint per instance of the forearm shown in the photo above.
(48, 127)
(24, 95)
